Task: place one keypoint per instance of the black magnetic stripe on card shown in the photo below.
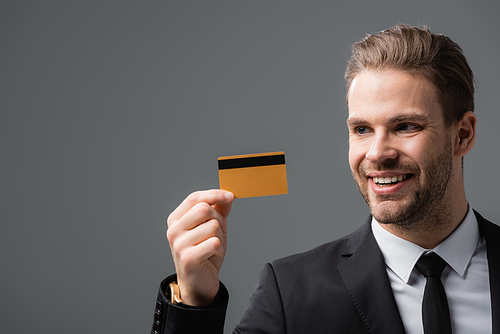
(267, 160)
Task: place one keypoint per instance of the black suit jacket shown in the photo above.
(339, 287)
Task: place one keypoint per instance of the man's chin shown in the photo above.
(389, 211)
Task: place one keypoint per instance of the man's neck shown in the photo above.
(427, 233)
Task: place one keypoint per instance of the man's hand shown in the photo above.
(197, 233)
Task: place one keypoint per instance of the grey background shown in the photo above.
(113, 111)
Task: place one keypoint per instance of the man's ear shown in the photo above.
(466, 134)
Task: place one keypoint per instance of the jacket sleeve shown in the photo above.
(265, 313)
(176, 319)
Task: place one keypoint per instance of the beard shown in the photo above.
(428, 207)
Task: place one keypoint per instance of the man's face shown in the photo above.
(399, 147)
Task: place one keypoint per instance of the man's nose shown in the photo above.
(381, 149)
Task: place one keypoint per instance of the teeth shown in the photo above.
(387, 180)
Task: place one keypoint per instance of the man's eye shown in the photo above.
(404, 126)
(408, 127)
(361, 130)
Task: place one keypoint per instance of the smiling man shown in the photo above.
(424, 262)
(405, 159)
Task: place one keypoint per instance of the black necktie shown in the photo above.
(435, 311)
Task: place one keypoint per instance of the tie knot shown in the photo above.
(431, 265)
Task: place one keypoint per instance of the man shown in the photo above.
(411, 122)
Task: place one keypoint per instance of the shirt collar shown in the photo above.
(457, 250)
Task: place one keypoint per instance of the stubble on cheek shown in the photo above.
(425, 206)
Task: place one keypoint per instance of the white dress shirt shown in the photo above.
(465, 278)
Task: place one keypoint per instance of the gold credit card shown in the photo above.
(253, 175)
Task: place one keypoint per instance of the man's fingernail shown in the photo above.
(229, 196)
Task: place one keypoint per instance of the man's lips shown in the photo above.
(388, 183)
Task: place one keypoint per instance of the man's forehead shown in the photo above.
(391, 96)
(386, 74)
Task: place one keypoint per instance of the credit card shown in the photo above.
(252, 175)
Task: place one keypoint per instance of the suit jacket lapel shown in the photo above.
(491, 234)
(365, 276)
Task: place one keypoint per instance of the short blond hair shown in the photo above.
(419, 52)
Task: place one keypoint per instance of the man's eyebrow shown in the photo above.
(408, 118)
(413, 117)
(351, 122)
